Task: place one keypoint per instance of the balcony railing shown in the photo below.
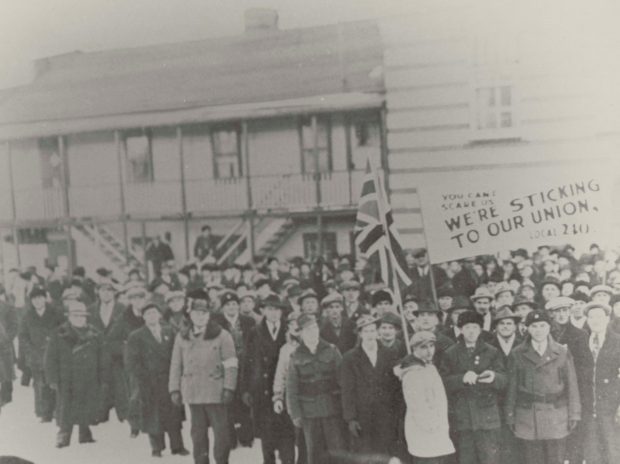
(296, 192)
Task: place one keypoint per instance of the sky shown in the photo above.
(31, 29)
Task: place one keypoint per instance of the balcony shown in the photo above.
(286, 192)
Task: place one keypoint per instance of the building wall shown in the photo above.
(437, 57)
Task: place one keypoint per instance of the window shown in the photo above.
(226, 153)
(309, 160)
(311, 245)
(139, 158)
(51, 163)
(494, 107)
(365, 135)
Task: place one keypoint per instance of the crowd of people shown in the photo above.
(489, 360)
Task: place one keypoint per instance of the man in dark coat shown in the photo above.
(313, 392)
(149, 350)
(474, 376)
(106, 314)
(275, 430)
(353, 306)
(428, 319)
(576, 340)
(73, 369)
(602, 413)
(9, 326)
(369, 392)
(158, 252)
(36, 328)
(420, 276)
(337, 329)
(239, 326)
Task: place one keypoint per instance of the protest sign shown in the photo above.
(472, 212)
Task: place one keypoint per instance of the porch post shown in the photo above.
(14, 229)
(245, 151)
(183, 192)
(121, 189)
(64, 172)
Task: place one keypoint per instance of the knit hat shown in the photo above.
(537, 316)
(469, 317)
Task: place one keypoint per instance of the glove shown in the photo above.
(355, 428)
(175, 396)
(571, 425)
(227, 396)
(470, 378)
(247, 399)
(486, 377)
(278, 407)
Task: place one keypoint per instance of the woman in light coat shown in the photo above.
(426, 419)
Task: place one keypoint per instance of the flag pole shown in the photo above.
(430, 263)
(397, 296)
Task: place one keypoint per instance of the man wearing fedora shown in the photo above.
(602, 412)
(106, 314)
(542, 402)
(73, 368)
(149, 351)
(313, 392)
(474, 375)
(275, 430)
(203, 374)
(370, 392)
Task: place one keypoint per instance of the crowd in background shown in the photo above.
(491, 360)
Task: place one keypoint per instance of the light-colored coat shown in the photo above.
(553, 374)
(426, 419)
(203, 367)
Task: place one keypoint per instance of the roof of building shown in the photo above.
(252, 68)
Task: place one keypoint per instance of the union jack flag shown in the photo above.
(376, 234)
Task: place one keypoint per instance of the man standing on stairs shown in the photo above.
(157, 253)
(106, 315)
(204, 246)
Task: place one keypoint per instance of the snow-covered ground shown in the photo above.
(22, 435)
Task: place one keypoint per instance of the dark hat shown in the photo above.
(391, 318)
(37, 291)
(418, 252)
(460, 302)
(445, 290)
(272, 300)
(79, 271)
(198, 294)
(103, 272)
(551, 280)
(306, 320)
(410, 297)
(293, 290)
(470, 317)
(156, 284)
(262, 281)
(364, 320)
(537, 316)
(148, 306)
(522, 252)
(505, 313)
(228, 296)
(580, 296)
(379, 296)
(199, 305)
(521, 300)
(309, 293)
(594, 305)
(426, 307)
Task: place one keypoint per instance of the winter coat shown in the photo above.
(313, 384)
(148, 363)
(8, 319)
(345, 339)
(474, 407)
(35, 332)
(426, 418)
(114, 335)
(241, 337)
(73, 364)
(543, 394)
(604, 379)
(281, 375)
(202, 367)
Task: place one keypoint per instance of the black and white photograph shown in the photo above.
(309, 232)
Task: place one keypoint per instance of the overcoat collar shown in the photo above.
(552, 352)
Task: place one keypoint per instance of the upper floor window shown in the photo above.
(317, 158)
(51, 163)
(494, 107)
(226, 153)
(139, 158)
(365, 136)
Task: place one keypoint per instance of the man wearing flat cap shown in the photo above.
(203, 374)
(542, 402)
(602, 412)
(427, 320)
(106, 314)
(73, 369)
(337, 329)
(37, 325)
(275, 430)
(239, 326)
(313, 392)
(370, 392)
(149, 351)
(576, 340)
(474, 375)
